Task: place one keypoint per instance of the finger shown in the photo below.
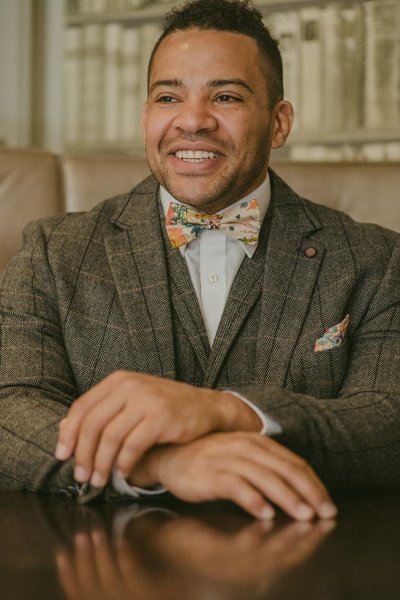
(211, 542)
(107, 567)
(306, 483)
(138, 582)
(296, 460)
(272, 486)
(69, 426)
(270, 449)
(67, 575)
(299, 476)
(296, 541)
(136, 444)
(112, 439)
(263, 470)
(309, 485)
(99, 426)
(87, 573)
(237, 489)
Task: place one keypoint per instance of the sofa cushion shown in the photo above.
(30, 188)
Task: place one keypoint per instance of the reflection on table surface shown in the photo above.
(51, 548)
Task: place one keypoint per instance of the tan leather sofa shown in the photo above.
(34, 184)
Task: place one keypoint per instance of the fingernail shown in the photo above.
(80, 474)
(267, 513)
(327, 510)
(61, 452)
(304, 512)
(97, 480)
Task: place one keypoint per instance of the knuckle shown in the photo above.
(228, 487)
(300, 465)
(131, 449)
(77, 408)
(245, 445)
(120, 378)
(212, 465)
(118, 374)
(110, 437)
(255, 504)
(89, 428)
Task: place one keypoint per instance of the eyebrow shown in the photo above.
(166, 83)
(223, 82)
(215, 83)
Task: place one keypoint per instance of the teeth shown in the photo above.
(194, 155)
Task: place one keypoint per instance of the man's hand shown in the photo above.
(247, 468)
(118, 420)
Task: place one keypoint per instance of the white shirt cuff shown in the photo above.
(269, 426)
(122, 486)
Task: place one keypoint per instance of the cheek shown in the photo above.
(241, 128)
(156, 127)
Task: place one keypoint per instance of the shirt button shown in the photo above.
(213, 277)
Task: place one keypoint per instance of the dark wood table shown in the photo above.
(51, 549)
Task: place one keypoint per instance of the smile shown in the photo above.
(195, 156)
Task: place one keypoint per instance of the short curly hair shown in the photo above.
(237, 16)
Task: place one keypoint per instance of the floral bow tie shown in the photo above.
(241, 223)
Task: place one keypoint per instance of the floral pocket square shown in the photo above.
(333, 336)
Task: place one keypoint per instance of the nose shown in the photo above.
(195, 115)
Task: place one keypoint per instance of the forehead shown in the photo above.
(206, 52)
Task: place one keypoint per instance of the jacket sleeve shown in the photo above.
(36, 381)
(37, 384)
(352, 441)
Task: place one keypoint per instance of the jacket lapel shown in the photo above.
(137, 260)
(293, 259)
(281, 272)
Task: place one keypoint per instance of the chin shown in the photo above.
(190, 193)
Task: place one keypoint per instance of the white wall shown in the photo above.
(31, 73)
(15, 71)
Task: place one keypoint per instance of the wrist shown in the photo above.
(236, 415)
(145, 473)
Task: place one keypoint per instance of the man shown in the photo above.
(215, 368)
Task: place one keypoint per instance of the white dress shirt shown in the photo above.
(213, 259)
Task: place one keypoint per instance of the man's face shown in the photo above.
(207, 125)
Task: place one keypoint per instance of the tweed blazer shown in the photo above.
(89, 294)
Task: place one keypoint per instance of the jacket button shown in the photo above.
(310, 252)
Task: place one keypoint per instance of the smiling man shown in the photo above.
(210, 332)
(208, 132)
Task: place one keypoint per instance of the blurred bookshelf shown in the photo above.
(341, 72)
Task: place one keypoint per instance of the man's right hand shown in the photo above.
(114, 423)
(249, 469)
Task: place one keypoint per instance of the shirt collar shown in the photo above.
(262, 194)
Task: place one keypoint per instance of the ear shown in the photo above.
(282, 116)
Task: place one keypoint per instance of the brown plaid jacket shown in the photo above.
(91, 293)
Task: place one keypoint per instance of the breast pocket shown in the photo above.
(324, 372)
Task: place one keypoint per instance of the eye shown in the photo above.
(166, 100)
(227, 98)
